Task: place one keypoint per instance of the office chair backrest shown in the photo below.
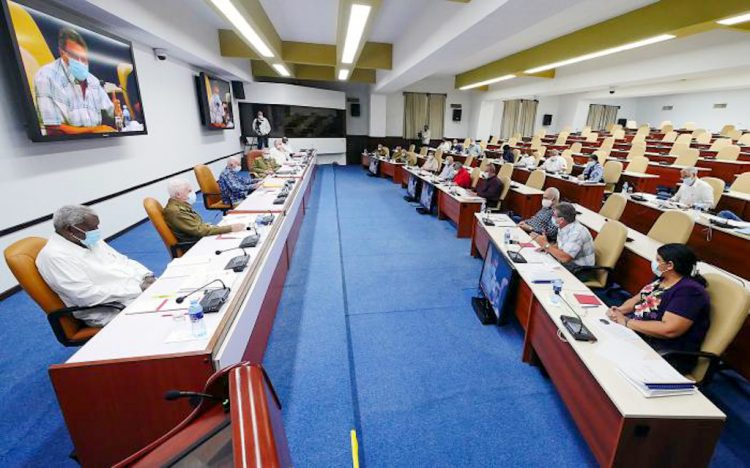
(636, 151)
(536, 179)
(612, 173)
(467, 142)
(684, 139)
(673, 226)
(516, 155)
(728, 153)
(469, 160)
(512, 141)
(703, 138)
(387, 151)
(412, 158)
(639, 137)
(689, 126)
(562, 138)
(542, 151)
(729, 305)
(720, 143)
(412, 147)
(686, 157)
(475, 174)
(506, 170)
(586, 129)
(536, 141)
(668, 128)
(639, 165)
(664, 124)
(250, 157)
(569, 161)
(614, 206)
(506, 181)
(744, 139)
(208, 185)
(608, 247)
(21, 259)
(592, 137)
(669, 137)
(618, 134)
(603, 154)
(439, 157)
(423, 150)
(726, 129)
(717, 185)
(607, 143)
(484, 163)
(576, 147)
(155, 213)
(741, 183)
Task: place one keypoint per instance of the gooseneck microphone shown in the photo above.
(219, 252)
(181, 299)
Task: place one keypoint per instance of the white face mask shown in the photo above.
(546, 203)
(191, 198)
(236, 169)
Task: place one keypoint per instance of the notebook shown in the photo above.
(587, 300)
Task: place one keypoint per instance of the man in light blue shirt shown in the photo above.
(593, 172)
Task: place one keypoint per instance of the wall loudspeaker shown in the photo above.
(456, 115)
(547, 120)
(354, 109)
(622, 122)
(238, 89)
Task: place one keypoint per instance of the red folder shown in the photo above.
(587, 300)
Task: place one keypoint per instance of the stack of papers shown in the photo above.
(655, 378)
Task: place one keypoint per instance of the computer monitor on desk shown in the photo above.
(497, 282)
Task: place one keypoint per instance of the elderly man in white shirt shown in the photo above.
(694, 192)
(575, 246)
(448, 171)
(528, 161)
(445, 145)
(84, 271)
(555, 162)
(278, 153)
(431, 164)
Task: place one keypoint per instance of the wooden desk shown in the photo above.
(458, 210)
(620, 426)
(737, 202)
(588, 195)
(524, 201)
(645, 183)
(669, 176)
(365, 160)
(111, 391)
(390, 169)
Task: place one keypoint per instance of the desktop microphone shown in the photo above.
(181, 299)
(583, 333)
(219, 252)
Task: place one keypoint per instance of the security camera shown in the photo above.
(161, 54)
(611, 90)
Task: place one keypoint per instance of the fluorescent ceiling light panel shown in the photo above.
(357, 22)
(487, 82)
(227, 8)
(343, 74)
(281, 69)
(735, 20)
(602, 53)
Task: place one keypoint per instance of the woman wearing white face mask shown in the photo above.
(693, 191)
(672, 312)
(541, 222)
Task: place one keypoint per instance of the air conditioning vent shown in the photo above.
(665, 108)
(722, 105)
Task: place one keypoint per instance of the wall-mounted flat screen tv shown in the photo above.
(295, 121)
(74, 81)
(215, 100)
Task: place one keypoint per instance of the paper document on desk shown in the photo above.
(185, 266)
(183, 334)
(615, 350)
(532, 256)
(655, 377)
(146, 304)
(199, 278)
(616, 332)
(245, 219)
(540, 273)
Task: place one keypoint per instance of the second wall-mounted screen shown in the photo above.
(295, 121)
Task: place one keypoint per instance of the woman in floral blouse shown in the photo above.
(671, 313)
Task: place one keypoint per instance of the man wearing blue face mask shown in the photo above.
(70, 100)
(234, 188)
(84, 271)
(186, 224)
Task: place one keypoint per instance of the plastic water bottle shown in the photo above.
(197, 325)
(625, 188)
(506, 238)
(556, 289)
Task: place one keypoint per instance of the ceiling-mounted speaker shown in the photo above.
(238, 89)
(456, 115)
(547, 120)
(622, 122)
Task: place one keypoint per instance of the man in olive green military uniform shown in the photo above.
(264, 166)
(399, 155)
(182, 219)
(382, 151)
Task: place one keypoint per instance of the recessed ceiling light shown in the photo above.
(354, 31)
(281, 69)
(735, 20)
(343, 74)
(487, 82)
(227, 8)
(601, 53)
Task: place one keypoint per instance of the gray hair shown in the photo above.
(233, 159)
(691, 171)
(554, 192)
(70, 215)
(553, 152)
(175, 186)
(566, 211)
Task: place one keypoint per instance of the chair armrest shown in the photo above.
(586, 269)
(184, 246)
(54, 320)
(713, 364)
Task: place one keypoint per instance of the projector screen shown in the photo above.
(295, 121)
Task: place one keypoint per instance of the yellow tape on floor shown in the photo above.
(355, 449)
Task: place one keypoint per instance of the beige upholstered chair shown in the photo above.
(668, 128)
(542, 151)
(618, 134)
(717, 185)
(506, 170)
(576, 147)
(536, 179)
(423, 151)
(504, 193)
(729, 305)
(439, 157)
(744, 139)
(612, 173)
(608, 247)
(639, 165)
(562, 138)
(689, 126)
(741, 183)
(469, 161)
(412, 158)
(412, 147)
(664, 124)
(467, 142)
(607, 143)
(684, 139)
(726, 129)
(734, 134)
(720, 143)
(669, 137)
(614, 206)
(475, 174)
(569, 162)
(687, 158)
(636, 151)
(512, 141)
(703, 138)
(592, 137)
(484, 163)
(729, 153)
(673, 226)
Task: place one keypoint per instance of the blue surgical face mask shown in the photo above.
(688, 181)
(78, 69)
(655, 267)
(554, 222)
(191, 198)
(91, 237)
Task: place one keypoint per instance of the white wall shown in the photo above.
(37, 178)
(358, 125)
(329, 149)
(698, 108)
(378, 119)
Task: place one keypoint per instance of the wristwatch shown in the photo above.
(546, 246)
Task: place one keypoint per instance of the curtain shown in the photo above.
(601, 115)
(437, 115)
(519, 116)
(415, 114)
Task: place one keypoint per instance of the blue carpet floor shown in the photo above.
(375, 333)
